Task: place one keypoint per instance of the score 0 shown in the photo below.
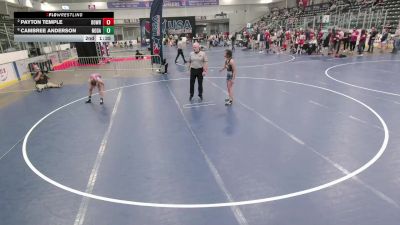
(108, 21)
(108, 26)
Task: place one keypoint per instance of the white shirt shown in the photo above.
(180, 44)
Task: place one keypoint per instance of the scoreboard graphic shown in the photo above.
(64, 26)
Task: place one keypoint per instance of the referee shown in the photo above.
(198, 69)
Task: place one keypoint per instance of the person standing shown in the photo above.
(325, 43)
(198, 64)
(233, 40)
(346, 40)
(353, 39)
(96, 81)
(384, 39)
(301, 42)
(396, 41)
(339, 38)
(230, 67)
(267, 37)
(288, 38)
(361, 43)
(180, 51)
(371, 41)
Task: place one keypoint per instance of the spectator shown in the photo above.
(288, 38)
(301, 4)
(180, 51)
(332, 6)
(346, 40)
(384, 39)
(233, 40)
(312, 45)
(396, 43)
(261, 38)
(319, 37)
(305, 3)
(164, 67)
(371, 41)
(301, 42)
(361, 43)
(267, 37)
(353, 39)
(326, 40)
(138, 55)
(337, 39)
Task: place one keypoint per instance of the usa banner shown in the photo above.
(156, 35)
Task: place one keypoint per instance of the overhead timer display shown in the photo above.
(64, 26)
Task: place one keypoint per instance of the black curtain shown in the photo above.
(86, 49)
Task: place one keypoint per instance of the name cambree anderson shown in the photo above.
(48, 30)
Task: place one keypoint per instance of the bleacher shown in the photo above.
(393, 8)
(342, 14)
(7, 35)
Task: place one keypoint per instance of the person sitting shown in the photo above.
(314, 45)
(138, 55)
(163, 67)
(42, 80)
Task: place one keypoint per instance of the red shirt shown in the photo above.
(302, 39)
(320, 35)
(363, 37)
(337, 37)
(354, 36)
(267, 36)
(288, 36)
(312, 35)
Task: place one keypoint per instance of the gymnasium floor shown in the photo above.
(309, 140)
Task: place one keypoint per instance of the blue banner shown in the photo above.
(167, 3)
(156, 34)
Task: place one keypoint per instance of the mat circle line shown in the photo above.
(250, 66)
(356, 86)
(210, 205)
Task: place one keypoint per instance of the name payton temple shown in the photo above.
(39, 22)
